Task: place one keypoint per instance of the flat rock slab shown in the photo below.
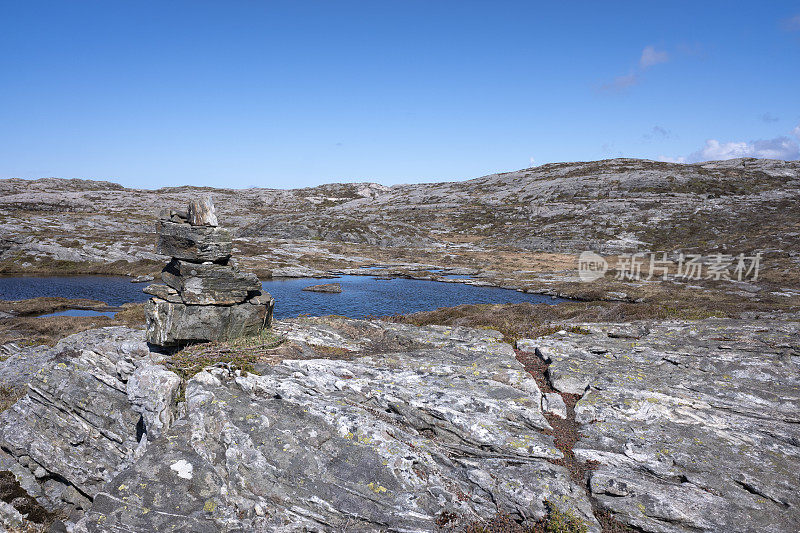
(193, 243)
(171, 324)
(209, 283)
(172, 488)
(695, 425)
(325, 287)
(385, 442)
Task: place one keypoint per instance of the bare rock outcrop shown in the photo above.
(87, 415)
(681, 426)
(693, 426)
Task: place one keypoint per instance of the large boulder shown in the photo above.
(193, 243)
(173, 324)
(209, 283)
(87, 415)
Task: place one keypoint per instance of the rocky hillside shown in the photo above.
(519, 229)
(613, 205)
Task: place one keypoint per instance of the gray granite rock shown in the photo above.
(193, 243)
(85, 415)
(325, 287)
(386, 442)
(209, 283)
(695, 425)
(692, 426)
(152, 392)
(172, 324)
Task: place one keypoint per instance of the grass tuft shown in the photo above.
(238, 354)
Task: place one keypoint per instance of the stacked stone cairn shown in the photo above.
(204, 297)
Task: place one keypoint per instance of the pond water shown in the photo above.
(366, 296)
(361, 295)
(81, 312)
(113, 290)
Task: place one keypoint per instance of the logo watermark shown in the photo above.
(591, 266)
(659, 265)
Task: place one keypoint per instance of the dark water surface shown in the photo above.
(361, 295)
(113, 290)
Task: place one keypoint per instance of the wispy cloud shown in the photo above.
(769, 117)
(791, 24)
(648, 58)
(651, 56)
(778, 148)
(620, 82)
(657, 133)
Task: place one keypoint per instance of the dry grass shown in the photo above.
(10, 396)
(46, 266)
(131, 315)
(46, 305)
(516, 321)
(32, 330)
(239, 354)
(556, 521)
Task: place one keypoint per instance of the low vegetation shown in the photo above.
(9, 397)
(556, 521)
(238, 354)
(29, 328)
(525, 320)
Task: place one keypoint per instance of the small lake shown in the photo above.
(361, 295)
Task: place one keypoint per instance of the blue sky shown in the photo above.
(298, 93)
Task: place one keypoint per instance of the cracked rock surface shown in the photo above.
(83, 417)
(695, 425)
(386, 441)
(682, 426)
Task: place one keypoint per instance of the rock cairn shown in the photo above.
(204, 296)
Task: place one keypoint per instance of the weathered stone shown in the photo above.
(79, 423)
(152, 391)
(155, 496)
(202, 212)
(209, 283)
(193, 243)
(165, 292)
(388, 442)
(170, 324)
(325, 287)
(553, 403)
(260, 297)
(690, 434)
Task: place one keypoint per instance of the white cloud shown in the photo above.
(796, 131)
(651, 56)
(777, 148)
(668, 159)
